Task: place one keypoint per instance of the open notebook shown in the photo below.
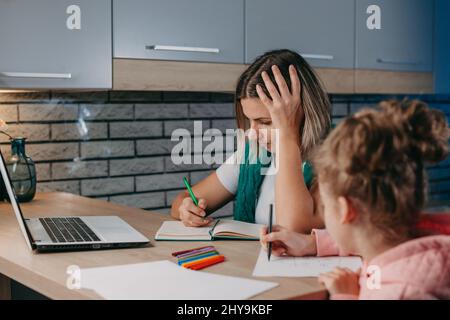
(219, 229)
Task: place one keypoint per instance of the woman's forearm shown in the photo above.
(293, 203)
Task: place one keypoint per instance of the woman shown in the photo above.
(278, 91)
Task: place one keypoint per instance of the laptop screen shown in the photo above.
(6, 181)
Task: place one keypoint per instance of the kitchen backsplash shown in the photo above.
(116, 145)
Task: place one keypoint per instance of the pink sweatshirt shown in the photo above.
(416, 269)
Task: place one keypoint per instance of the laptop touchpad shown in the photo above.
(113, 229)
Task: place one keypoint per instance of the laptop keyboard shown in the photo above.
(68, 230)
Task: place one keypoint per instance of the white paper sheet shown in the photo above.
(166, 280)
(301, 266)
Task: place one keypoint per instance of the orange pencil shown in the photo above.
(192, 263)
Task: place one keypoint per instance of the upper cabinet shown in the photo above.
(321, 30)
(55, 44)
(362, 46)
(394, 35)
(200, 30)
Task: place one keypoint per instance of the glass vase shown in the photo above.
(22, 171)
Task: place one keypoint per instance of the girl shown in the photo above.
(372, 185)
(278, 91)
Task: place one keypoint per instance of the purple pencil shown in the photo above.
(195, 252)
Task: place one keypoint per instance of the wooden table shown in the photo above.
(46, 272)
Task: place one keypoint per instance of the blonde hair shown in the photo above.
(314, 100)
(376, 159)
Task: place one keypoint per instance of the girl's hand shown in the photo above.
(288, 242)
(341, 281)
(191, 215)
(285, 106)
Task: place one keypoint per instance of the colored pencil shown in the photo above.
(191, 193)
(191, 263)
(186, 251)
(194, 252)
(199, 262)
(208, 263)
(209, 254)
(195, 256)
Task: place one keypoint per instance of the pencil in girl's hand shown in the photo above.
(269, 249)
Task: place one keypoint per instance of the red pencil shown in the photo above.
(208, 263)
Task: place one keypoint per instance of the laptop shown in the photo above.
(50, 234)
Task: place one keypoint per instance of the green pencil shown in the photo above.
(191, 193)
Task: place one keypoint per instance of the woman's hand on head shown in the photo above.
(285, 104)
(286, 242)
(192, 215)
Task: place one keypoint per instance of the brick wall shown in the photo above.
(116, 145)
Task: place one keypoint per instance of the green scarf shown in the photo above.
(249, 185)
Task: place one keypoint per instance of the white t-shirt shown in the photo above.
(228, 174)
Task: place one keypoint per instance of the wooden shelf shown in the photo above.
(375, 81)
(158, 75)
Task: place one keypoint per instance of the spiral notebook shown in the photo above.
(219, 229)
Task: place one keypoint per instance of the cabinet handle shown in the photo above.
(411, 63)
(183, 49)
(36, 75)
(317, 56)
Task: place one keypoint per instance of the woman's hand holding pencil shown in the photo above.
(192, 210)
(192, 215)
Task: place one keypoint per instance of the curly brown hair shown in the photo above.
(376, 159)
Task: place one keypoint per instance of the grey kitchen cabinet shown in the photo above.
(195, 30)
(404, 41)
(321, 30)
(55, 44)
